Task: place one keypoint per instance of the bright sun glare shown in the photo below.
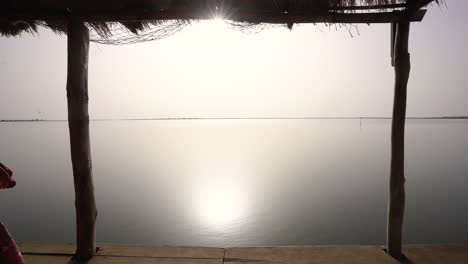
(220, 206)
(220, 200)
(215, 26)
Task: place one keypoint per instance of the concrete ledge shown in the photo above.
(47, 248)
(436, 254)
(160, 251)
(125, 250)
(309, 255)
(58, 253)
(45, 259)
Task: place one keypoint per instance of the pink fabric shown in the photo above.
(9, 252)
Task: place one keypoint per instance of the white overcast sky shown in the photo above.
(209, 70)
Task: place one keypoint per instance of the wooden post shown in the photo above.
(397, 178)
(78, 123)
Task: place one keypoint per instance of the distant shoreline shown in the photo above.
(233, 118)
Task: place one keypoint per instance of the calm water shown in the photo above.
(239, 182)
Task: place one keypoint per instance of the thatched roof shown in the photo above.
(17, 16)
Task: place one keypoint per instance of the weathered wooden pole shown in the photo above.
(78, 123)
(396, 206)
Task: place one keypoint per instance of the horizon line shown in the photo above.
(233, 118)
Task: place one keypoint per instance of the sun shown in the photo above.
(215, 26)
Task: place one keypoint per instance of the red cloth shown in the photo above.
(6, 179)
(9, 252)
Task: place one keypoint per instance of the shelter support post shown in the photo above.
(78, 123)
(397, 178)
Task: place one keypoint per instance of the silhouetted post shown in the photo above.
(78, 123)
(396, 206)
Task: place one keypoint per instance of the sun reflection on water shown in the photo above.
(220, 200)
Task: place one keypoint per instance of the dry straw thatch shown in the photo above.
(129, 21)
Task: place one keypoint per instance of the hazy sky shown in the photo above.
(209, 70)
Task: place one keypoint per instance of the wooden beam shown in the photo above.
(396, 206)
(369, 7)
(421, 3)
(78, 123)
(254, 5)
(392, 43)
(205, 14)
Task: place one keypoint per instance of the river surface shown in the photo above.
(238, 182)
